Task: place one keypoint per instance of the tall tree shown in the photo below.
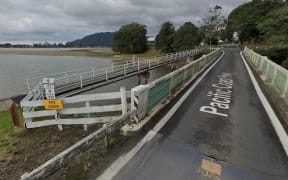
(164, 39)
(274, 27)
(245, 18)
(212, 24)
(130, 38)
(186, 37)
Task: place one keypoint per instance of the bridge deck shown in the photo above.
(243, 144)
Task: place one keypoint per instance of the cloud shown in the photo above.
(65, 20)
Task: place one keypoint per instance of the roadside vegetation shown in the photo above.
(23, 150)
(262, 25)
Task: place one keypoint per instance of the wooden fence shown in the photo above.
(81, 109)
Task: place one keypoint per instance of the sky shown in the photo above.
(31, 21)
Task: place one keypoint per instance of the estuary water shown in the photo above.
(14, 69)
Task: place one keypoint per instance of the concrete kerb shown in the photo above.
(280, 131)
(117, 165)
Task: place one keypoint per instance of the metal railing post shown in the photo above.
(106, 73)
(81, 83)
(138, 65)
(93, 72)
(28, 85)
(67, 77)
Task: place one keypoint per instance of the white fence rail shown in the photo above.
(81, 109)
(82, 77)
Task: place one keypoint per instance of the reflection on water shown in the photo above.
(14, 69)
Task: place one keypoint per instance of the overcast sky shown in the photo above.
(64, 20)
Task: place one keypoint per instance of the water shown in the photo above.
(14, 69)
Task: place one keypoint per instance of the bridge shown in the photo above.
(78, 81)
(217, 123)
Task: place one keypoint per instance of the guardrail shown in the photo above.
(81, 109)
(81, 74)
(80, 78)
(145, 98)
(64, 157)
(272, 73)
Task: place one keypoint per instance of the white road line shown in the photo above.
(117, 165)
(280, 131)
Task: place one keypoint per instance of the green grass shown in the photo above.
(9, 139)
(6, 125)
(151, 52)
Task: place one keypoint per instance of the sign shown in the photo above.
(49, 86)
(55, 104)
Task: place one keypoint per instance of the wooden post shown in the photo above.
(106, 138)
(85, 126)
(14, 115)
(123, 100)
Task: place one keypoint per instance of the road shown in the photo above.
(221, 131)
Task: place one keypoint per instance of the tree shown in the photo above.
(186, 37)
(164, 39)
(130, 38)
(274, 27)
(213, 24)
(245, 18)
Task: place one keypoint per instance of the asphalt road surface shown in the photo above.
(221, 131)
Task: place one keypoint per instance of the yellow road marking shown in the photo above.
(211, 167)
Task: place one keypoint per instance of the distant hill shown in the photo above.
(97, 39)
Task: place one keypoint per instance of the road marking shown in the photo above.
(117, 165)
(211, 166)
(221, 96)
(280, 131)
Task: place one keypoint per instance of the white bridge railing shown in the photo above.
(81, 109)
(82, 77)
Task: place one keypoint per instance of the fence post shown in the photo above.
(274, 76)
(85, 126)
(106, 73)
(14, 115)
(124, 69)
(139, 101)
(138, 65)
(28, 85)
(106, 138)
(93, 72)
(267, 68)
(67, 77)
(123, 100)
(57, 118)
(81, 83)
(286, 87)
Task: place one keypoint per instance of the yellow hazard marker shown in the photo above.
(212, 167)
(55, 104)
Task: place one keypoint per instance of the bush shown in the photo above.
(285, 63)
(278, 55)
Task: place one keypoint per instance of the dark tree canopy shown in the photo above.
(186, 37)
(130, 38)
(164, 39)
(274, 28)
(246, 19)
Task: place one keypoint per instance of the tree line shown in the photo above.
(131, 38)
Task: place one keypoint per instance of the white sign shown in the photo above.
(49, 86)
